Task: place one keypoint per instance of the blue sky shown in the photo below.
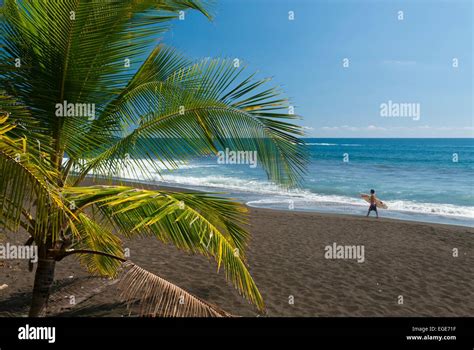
(403, 61)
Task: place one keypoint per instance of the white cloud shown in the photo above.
(375, 128)
(394, 128)
(399, 62)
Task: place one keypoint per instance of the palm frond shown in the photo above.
(27, 183)
(159, 297)
(91, 235)
(134, 100)
(79, 59)
(207, 109)
(195, 222)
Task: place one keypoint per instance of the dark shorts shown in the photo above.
(373, 207)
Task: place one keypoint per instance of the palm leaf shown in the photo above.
(159, 297)
(90, 235)
(194, 222)
(28, 182)
(80, 58)
(197, 111)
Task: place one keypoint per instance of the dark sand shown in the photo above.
(286, 258)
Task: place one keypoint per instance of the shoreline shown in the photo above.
(228, 194)
(286, 258)
(363, 217)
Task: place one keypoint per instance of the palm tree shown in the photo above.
(148, 118)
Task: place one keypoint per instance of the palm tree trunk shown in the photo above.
(44, 277)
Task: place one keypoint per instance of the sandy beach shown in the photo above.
(408, 270)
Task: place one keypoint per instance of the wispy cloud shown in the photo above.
(353, 128)
(399, 62)
(395, 128)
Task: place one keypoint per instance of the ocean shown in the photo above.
(429, 180)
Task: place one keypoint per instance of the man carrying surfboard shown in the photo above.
(373, 203)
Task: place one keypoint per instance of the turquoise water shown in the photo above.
(419, 179)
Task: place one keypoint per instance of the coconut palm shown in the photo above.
(153, 109)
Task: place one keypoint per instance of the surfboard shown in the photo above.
(379, 203)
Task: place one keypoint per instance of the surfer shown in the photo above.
(373, 203)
